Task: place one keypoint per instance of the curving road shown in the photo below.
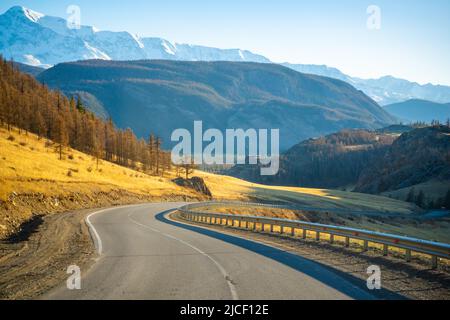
(146, 256)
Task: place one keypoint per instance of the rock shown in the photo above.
(196, 183)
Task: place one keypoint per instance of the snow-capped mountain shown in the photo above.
(39, 40)
(385, 90)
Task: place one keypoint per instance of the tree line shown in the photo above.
(32, 107)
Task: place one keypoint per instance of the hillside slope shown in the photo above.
(166, 95)
(415, 157)
(389, 161)
(331, 161)
(420, 111)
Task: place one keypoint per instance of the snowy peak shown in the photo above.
(22, 12)
(33, 38)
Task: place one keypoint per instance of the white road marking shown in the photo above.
(96, 237)
(222, 270)
(94, 233)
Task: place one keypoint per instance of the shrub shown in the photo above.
(11, 138)
(89, 169)
(70, 156)
(69, 173)
(23, 144)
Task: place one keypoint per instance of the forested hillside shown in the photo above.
(32, 107)
(331, 161)
(407, 163)
(416, 157)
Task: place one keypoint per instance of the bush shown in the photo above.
(11, 138)
(69, 173)
(70, 156)
(23, 144)
(89, 169)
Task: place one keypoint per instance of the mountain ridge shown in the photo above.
(40, 40)
(173, 94)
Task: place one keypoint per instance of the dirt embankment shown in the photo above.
(36, 259)
(20, 210)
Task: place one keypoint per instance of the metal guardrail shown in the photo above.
(434, 249)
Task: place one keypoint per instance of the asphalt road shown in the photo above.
(146, 256)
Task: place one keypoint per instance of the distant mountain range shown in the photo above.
(385, 90)
(39, 40)
(160, 96)
(420, 110)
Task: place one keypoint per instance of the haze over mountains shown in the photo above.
(162, 95)
(420, 110)
(36, 39)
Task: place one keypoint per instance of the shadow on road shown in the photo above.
(340, 281)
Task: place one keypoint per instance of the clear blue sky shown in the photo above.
(413, 42)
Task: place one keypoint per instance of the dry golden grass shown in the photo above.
(27, 166)
(224, 187)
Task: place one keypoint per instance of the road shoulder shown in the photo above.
(34, 262)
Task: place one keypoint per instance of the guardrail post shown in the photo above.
(365, 245)
(408, 255)
(385, 249)
(281, 230)
(271, 228)
(434, 262)
(317, 236)
(304, 233)
(254, 226)
(293, 231)
(331, 238)
(347, 242)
